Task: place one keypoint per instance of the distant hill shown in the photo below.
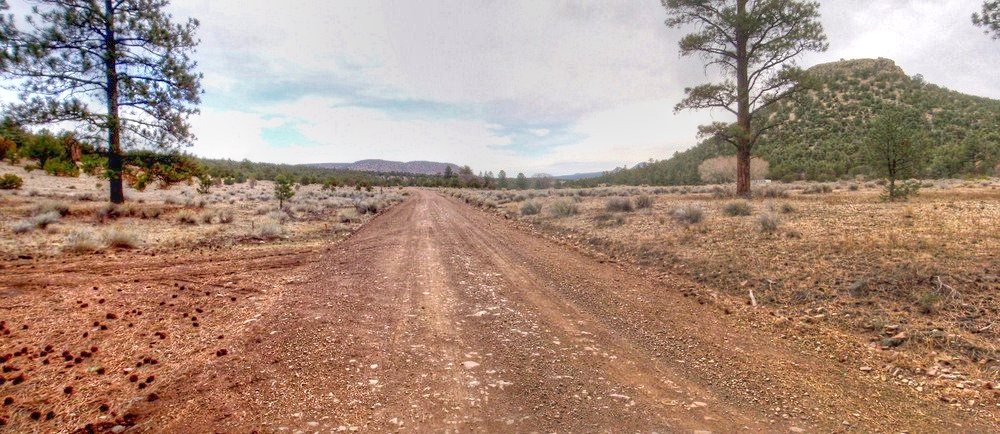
(578, 176)
(824, 131)
(383, 166)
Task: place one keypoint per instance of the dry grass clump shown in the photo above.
(770, 192)
(40, 221)
(768, 223)
(817, 189)
(564, 208)
(644, 201)
(269, 230)
(349, 215)
(207, 217)
(737, 208)
(531, 208)
(608, 219)
(187, 217)
(369, 206)
(688, 214)
(51, 206)
(150, 212)
(226, 216)
(619, 204)
(81, 241)
(121, 239)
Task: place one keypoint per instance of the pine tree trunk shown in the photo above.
(743, 172)
(743, 114)
(115, 163)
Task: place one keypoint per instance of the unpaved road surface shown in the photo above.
(436, 317)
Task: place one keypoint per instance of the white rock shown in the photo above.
(469, 364)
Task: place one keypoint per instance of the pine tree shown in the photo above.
(754, 43)
(119, 68)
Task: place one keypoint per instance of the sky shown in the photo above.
(533, 86)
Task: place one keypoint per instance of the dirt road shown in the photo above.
(438, 318)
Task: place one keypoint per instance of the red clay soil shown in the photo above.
(433, 317)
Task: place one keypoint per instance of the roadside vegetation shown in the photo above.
(914, 281)
(52, 215)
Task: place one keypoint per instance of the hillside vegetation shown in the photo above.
(824, 131)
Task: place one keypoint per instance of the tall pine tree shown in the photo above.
(121, 69)
(754, 44)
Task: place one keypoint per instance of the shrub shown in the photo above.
(787, 208)
(269, 230)
(720, 192)
(644, 202)
(226, 216)
(187, 217)
(817, 189)
(151, 212)
(771, 192)
(22, 226)
(619, 204)
(349, 215)
(121, 239)
(10, 181)
(688, 214)
(368, 206)
(928, 302)
(738, 208)
(81, 242)
(768, 223)
(108, 212)
(564, 208)
(42, 221)
(608, 219)
(46, 207)
(531, 208)
(207, 217)
(94, 165)
(61, 167)
(8, 148)
(901, 191)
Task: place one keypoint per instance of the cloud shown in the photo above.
(549, 86)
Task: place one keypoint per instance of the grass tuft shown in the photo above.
(688, 214)
(82, 241)
(564, 208)
(738, 208)
(619, 204)
(531, 208)
(644, 202)
(768, 223)
(121, 239)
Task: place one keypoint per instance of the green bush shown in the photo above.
(10, 181)
(94, 165)
(61, 167)
(738, 208)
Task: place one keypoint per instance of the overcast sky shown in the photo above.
(535, 86)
